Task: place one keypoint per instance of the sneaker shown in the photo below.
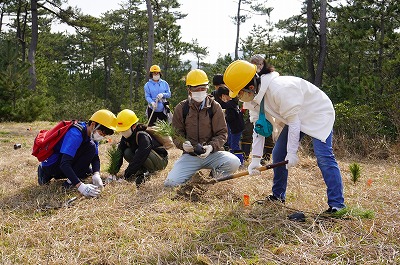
(274, 198)
(332, 210)
(42, 178)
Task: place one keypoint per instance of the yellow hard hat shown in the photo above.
(238, 75)
(105, 117)
(125, 119)
(196, 77)
(155, 68)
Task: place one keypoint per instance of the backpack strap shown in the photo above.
(143, 132)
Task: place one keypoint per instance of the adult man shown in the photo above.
(201, 133)
(301, 108)
(76, 156)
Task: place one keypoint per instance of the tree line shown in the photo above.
(350, 50)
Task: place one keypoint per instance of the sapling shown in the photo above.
(114, 155)
(355, 170)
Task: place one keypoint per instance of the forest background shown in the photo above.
(349, 50)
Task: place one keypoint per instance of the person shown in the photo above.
(261, 64)
(156, 92)
(294, 107)
(76, 155)
(200, 133)
(218, 81)
(143, 152)
(234, 121)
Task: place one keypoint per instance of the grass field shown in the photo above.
(126, 225)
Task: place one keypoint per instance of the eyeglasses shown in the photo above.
(198, 88)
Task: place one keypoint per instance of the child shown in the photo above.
(234, 120)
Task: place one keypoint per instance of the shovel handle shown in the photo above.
(244, 173)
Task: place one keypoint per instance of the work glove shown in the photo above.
(160, 96)
(88, 190)
(188, 147)
(154, 105)
(208, 151)
(111, 178)
(97, 181)
(293, 160)
(252, 168)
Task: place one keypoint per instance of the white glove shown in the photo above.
(160, 96)
(293, 160)
(88, 190)
(111, 178)
(188, 147)
(97, 180)
(208, 151)
(154, 105)
(252, 168)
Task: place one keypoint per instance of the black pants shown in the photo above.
(156, 115)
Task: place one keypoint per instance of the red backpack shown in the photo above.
(47, 139)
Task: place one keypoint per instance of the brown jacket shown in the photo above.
(198, 127)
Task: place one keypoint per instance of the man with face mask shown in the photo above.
(200, 133)
(156, 92)
(76, 155)
(294, 107)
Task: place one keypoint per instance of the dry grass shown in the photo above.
(146, 226)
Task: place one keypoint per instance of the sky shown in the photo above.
(208, 21)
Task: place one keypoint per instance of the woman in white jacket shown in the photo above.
(294, 107)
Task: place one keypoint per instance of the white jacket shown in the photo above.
(289, 97)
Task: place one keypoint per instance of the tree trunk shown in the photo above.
(150, 36)
(310, 41)
(237, 31)
(33, 45)
(322, 45)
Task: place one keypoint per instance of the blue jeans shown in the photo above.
(222, 163)
(326, 162)
(234, 140)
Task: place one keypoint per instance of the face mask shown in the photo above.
(96, 136)
(199, 96)
(156, 77)
(246, 96)
(127, 133)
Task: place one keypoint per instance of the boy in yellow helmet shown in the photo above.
(76, 156)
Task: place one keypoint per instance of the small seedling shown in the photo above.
(355, 170)
(114, 155)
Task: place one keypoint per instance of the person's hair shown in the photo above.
(104, 129)
(222, 91)
(151, 75)
(258, 59)
(218, 79)
(141, 127)
(255, 81)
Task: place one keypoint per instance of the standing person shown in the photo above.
(156, 92)
(76, 156)
(143, 153)
(262, 69)
(200, 124)
(302, 108)
(234, 121)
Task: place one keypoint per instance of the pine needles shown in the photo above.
(355, 170)
(114, 155)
